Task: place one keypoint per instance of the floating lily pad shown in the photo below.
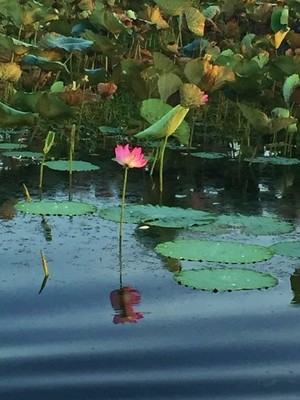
(208, 155)
(290, 249)
(255, 225)
(216, 251)
(171, 217)
(274, 160)
(225, 279)
(62, 208)
(63, 165)
(12, 146)
(23, 154)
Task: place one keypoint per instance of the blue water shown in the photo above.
(63, 344)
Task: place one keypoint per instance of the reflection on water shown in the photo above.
(295, 286)
(123, 301)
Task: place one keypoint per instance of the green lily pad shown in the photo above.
(255, 225)
(216, 251)
(64, 165)
(225, 279)
(61, 208)
(290, 249)
(12, 146)
(274, 160)
(23, 154)
(171, 217)
(208, 155)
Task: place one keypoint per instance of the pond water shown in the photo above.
(64, 343)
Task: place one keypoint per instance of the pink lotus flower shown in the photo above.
(130, 159)
(123, 301)
(205, 98)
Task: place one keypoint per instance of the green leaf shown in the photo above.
(49, 142)
(171, 217)
(173, 7)
(216, 251)
(211, 11)
(164, 65)
(277, 20)
(63, 165)
(195, 20)
(257, 118)
(166, 125)
(193, 70)
(12, 118)
(224, 279)
(289, 86)
(62, 208)
(44, 63)
(154, 109)
(168, 84)
(289, 249)
(107, 19)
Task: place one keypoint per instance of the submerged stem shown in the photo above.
(123, 204)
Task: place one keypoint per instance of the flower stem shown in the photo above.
(161, 166)
(123, 203)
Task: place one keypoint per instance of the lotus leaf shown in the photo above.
(195, 20)
(172, 217)
(44, 63)
(62, 208)
(11, 118)
(70, 44)
(289, 86)
(255, 225)
(193, 70)
(165, 125)
(225, 279)
(168, 84)
(290, 249)
(12, 146)
(208, 155)
(274, 160)
(63, 165)
(216, 251)
(173, 7)
(23, 154)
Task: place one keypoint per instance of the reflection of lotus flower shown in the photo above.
(130, 159)
(123, 301)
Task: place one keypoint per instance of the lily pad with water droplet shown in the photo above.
(61, 208)
(64, 165)
(274, 160)
(290, 249)
(23, 154)
(171, 217)
(225, 279)
(12, 146)
(216, 251)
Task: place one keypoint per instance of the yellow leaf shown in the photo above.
(10, 72)
(278, 37)
(195, 20)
